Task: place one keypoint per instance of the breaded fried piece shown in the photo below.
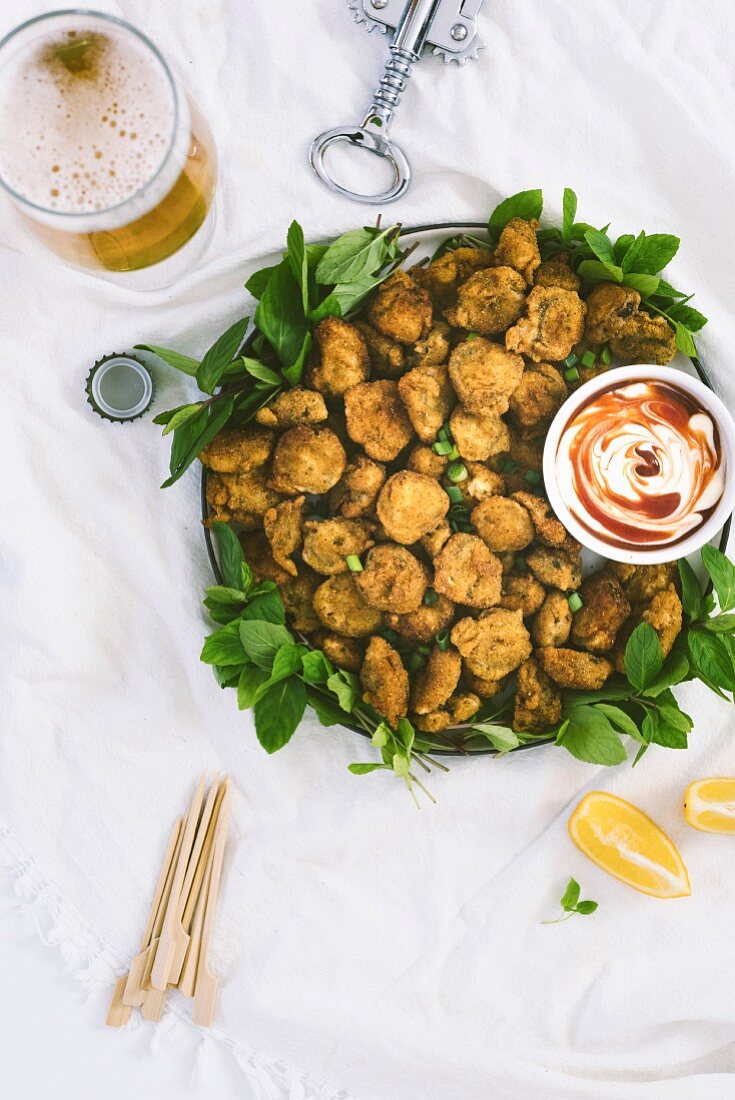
(298, 594)
(243, 498)
(481, 482)
(293, 407)
(393, 579)
(604, 610)
(488, 689)
(555, 568)
(357, 490)
(538, 702)
(502, 524)
(434, 348)
(410, 505)
(282, 525)
(609, 307)
(388, 357)
(664, 614)
(463, 706)
(384, 681)
(339, 358)
(401, 309)
(442, 277)
(518, 248)
(258, 555)
(493, 645)
(436, 681)
(329, 542)
(557, 272)
(552, 325)
(548, 528)
(435, 722)
(484, 376)
(553, 623)
(571, 669)
(466, 572)
(433, 542)
(641, 582)
(423, 624)
(645, 339)
(490, 301)
(237, 450)
(428, 396)
(307, 460)
(422, 460)
(339, 605)
(343, 652)
(537, 398)
(522, 592)
(476, 437)
(377, 419)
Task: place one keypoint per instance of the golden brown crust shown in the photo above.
(340, 357)
(237, 450)
(502, 524)
(428, 397)
(477, 437)
(552, 325)
(490, 301)
(346, 653)
(570, 668)
(377, 419)
(467, 573)
(384, 681)
(401, 309)
(329, 542)
(436, 681)
(393, 579)
(307, 460)
(518, 248)
(410, 505)
(423, 624)
(292, 408)
(282, 526)
(494, 645)
(553, 623)
(340, 607)
(484, 376)
(538, 702)
(604, 610)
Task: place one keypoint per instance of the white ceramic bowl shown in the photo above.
(709, 401)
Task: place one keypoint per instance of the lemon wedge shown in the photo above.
(626, 843)
(709, 805)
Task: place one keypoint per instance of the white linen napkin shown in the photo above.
(366, 950)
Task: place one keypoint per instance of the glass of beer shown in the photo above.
(104, 155)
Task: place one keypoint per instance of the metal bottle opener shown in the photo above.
(450, 26)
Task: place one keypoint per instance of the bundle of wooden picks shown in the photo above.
(174, 950)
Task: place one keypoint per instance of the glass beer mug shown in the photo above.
(106, 158)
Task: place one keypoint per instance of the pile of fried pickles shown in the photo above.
(396, 497)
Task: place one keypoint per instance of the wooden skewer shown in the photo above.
(204, 858)
(181, 931)
(118, 1013)
(167, 943)
(134, 993)
(206, 985)
(187, 981)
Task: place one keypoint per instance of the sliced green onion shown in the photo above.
(572, 374)
(443, 434)
(533, 477)
(415, 661)
(589, 359)
(353, 563)
(424, 649)
(443, 447)
(575, 601)
(457, 472)
(510, 466)
(605, 356)
(442, 640)
(570, 360)
(453, 454)
(431, 597)
(455, 494)
(472, 335)
(520, 563)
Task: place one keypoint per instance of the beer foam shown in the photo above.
(86, 121)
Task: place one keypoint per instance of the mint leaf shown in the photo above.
(569, 213)
(691, 594)
(266, 606)
(644, 284)
(365, 769)
(278, 712)
(328, 713)
(712, 659)
(622, 245)
(175, 359)
(250, 681)
(675, 669)
(502, 738)
(586, 907)
(286, 662)
(262, 640)
(649, 254)
(316, 667)
(258, 281)
(619, 719)
(684, 341)
(601, 245)
(280, 316)
(231, 557)
(346, 687)
(258, 370)
(691, 318)
(179, 417)
(293, 373)
(643, 656)
(297, 258)
(722, 572)
(721, 624)
(343, 298)
(590, 737)
(524, 204)
(219, 356)
(193, 436)
(224, 647)
(355, 255)
(597, 271)
(570, 897)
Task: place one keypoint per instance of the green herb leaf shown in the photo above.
(250, 681)
(316, 668)
(601, 245)
(619, 719)
(297, 258)
(691, 318)
(278, 712)
(262, 640)
(570, 897)
(524, 204)
(643, 656)
(286, 662)
(590, 737)
(258, 370)
(722, 572)
(382, 734)
(346, 687)
(569, 213)
(356, 254)
(175, 359)
(180, 416)
(228, 675)
(231, 557)
(364, 769)
(293, 373)
(644, 284)
(343, 298)
(279, 315)
(691, 594)
(586, 907)
(721, 624)
(622, 245)
(712, 659)
(258, 281)
(649, 254)
(571, 904)
(266, 606)
(400, 764)
(595, 271)
(224, 647)
(675, 669)
(219, 356)
(684, 341)
(502, 738)
(328, 713)
(193, 436)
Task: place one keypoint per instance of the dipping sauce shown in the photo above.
(641, 465)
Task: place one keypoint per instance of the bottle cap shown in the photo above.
(119, 387)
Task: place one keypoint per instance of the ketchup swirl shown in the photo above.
(640, 465)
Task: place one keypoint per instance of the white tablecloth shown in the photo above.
(367, 951)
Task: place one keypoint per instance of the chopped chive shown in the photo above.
(454, 526)
(533, 477)
(575, 601)
(520, 563)
(509, 466)
(472, 335)
(570, 360)
(442, 640)
(605, 356)
(457, 472)
(424, 649)
(453, 454)
(353, 563)
(443, 434)
(430, 597)
(589, 359)
(455, 494)
(571, 375)
(443, 447)
(415, 661)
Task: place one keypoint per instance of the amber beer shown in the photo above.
(106, 158)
